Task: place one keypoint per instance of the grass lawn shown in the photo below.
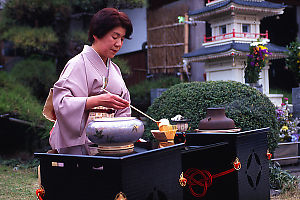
(21, 184)
(18, 184)
(289, 196)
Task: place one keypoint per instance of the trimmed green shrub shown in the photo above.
(140, 93)
(34, 39)
(37, 74)
(17, 100)
(249, 108)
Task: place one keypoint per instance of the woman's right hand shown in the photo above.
(107, 100)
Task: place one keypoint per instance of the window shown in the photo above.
(245, 28)
(223, 29)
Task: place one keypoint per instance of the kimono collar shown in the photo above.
(94, 57)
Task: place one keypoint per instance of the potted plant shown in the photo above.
(289, 137)
(255, 63)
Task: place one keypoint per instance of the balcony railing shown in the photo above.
(234, 34)
(209, 1)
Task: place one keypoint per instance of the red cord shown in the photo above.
(202, 179)
(223, 173)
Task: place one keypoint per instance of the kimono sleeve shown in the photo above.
(69, 99)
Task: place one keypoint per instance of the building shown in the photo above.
(234, 25)
(168, 40)
(134, 51)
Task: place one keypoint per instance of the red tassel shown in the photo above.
(40, 193)
(269, 155)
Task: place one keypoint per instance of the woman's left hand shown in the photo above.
(108, 100)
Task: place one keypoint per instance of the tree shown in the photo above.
(42, 26)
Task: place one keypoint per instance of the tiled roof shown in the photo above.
(262, 4)
(244, 47)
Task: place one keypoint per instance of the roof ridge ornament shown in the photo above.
(214, 2)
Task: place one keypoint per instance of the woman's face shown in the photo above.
(110, 44)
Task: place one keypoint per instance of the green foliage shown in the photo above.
(46, 12)
(31, 39)
(140, 93)
(10, 162)
(129, 3)
(17, 162)
(37, 74)
(17, 100)
(41, 26)
(36, 13)
(79, 36)
(92, 6)
(248, 107)
(5, 21)
(37, 26)
(282, 179)
(293, 59)
(123, 65)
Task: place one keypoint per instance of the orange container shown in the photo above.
(170, 134)
(169, 131)
(168, 128)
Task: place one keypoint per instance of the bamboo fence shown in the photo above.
(167, 39)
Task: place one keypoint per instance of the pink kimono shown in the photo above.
(83, 76)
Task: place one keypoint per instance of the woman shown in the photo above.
(79, 87)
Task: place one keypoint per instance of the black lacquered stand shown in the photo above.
(204, 163)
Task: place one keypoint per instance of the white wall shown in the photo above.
(139, 36)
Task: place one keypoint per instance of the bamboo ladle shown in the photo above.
(157, 122)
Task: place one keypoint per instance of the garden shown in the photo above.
(25, 86)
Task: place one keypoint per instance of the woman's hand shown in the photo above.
(108, 100)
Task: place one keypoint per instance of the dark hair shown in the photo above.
(107, 19)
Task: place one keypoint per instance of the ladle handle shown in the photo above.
(143, 113)
(135, 108)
